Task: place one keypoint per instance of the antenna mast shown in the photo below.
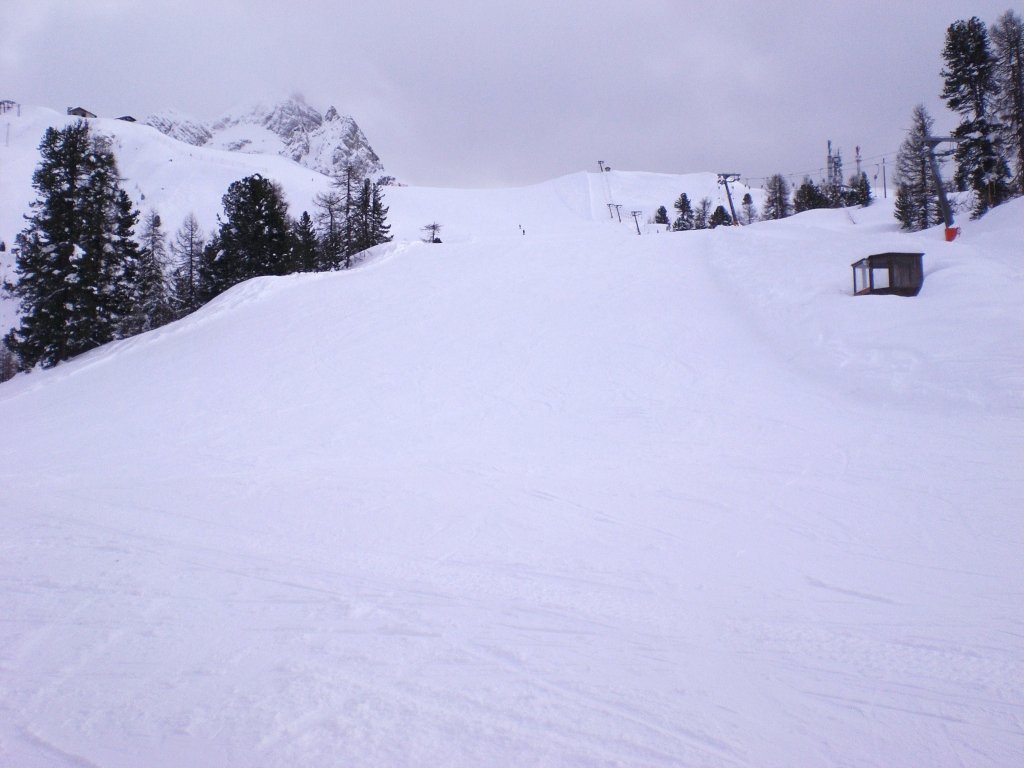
(834, 169)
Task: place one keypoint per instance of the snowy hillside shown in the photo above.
(176, 178)
(569, 497)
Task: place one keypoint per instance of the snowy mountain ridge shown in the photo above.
(325, 143)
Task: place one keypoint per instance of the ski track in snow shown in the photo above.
(574, 497)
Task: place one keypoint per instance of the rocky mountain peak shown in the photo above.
(181, 127)
(326, 143)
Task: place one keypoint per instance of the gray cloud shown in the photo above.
(469, 93)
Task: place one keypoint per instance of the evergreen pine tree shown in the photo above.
(379, 227)
(331, 221)
(809, 196)
(969, 88)
(48, 283)
(253, 238)
(702, 213)
(362, 224)
(76, 255)
(306, 246)
(1008, 40)
(8, 363)
(776, 200)
(187, 250)
(348, 184)
(917, 201)
(215, 274)
(151, 303)
(684, 217)
(832, 192)
(858, 191)
(748, 208)
(719, 217)
(905, 209)
(113, 252)
(661, 215)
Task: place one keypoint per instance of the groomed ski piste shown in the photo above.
(574, 497)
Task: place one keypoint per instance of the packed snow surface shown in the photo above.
(570, 497)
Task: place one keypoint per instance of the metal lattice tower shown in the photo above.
(834, 168)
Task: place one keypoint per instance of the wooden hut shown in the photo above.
(80, 112)
(900, 274)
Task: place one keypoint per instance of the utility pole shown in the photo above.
(725, 178)
(636, 220)
(618, 211)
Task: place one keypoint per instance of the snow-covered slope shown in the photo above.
(569, 497)
(172, 176)
(325, 143)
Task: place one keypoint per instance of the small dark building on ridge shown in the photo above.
(80, 112)
(900, 274)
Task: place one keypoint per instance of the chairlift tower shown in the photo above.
(724, 179)
(607, 188)
(636, 219)
(947, 213)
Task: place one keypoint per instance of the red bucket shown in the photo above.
(951, 233)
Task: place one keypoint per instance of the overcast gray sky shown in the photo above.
(476, 93)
